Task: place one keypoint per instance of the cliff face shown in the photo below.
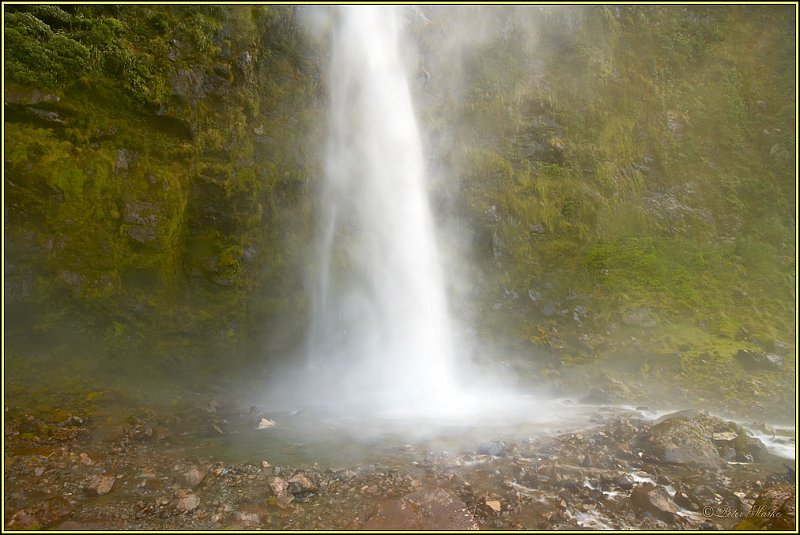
(626, 177)
(153, 157)
(623, 178)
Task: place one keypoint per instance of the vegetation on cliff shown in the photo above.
(626, 174)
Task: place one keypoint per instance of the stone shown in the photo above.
(655, 501)
(142, 220)
(682, 438)
(101, 484)
(277, 485)
(192, 477)
(186, 501)
(757, 360)
(624, 481)
(494, 505)
(495, 448)
(299, 484)
(123, 162)
(422, 510)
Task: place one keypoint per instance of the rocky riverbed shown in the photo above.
(685, 470)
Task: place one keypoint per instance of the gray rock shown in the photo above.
(681, 439)
(495, 448)
(757, 360)
(124, 161)
(142, 220)
(47, 116)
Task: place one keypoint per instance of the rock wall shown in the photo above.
(154, 160)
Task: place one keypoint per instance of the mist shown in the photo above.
(399, 267)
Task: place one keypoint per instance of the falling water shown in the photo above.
(380, 328)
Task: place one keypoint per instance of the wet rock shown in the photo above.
(495, 448)
(774, 509)
(422, 510)
(624, 481)
(101, 484)
(682, 499)
(277, 485)
(300, 484)
(192, 477)
(682, 438)
(655, 501)
(186, 501)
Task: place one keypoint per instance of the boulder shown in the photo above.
(682, 438)
(758, 360)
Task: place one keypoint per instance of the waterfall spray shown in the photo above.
(380, 327)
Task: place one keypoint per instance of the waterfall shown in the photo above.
(380, 328)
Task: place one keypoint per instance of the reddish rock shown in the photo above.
(101, 484)
(422, 510)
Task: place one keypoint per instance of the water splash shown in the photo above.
(380, 328)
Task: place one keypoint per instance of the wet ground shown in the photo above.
(206, 464)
